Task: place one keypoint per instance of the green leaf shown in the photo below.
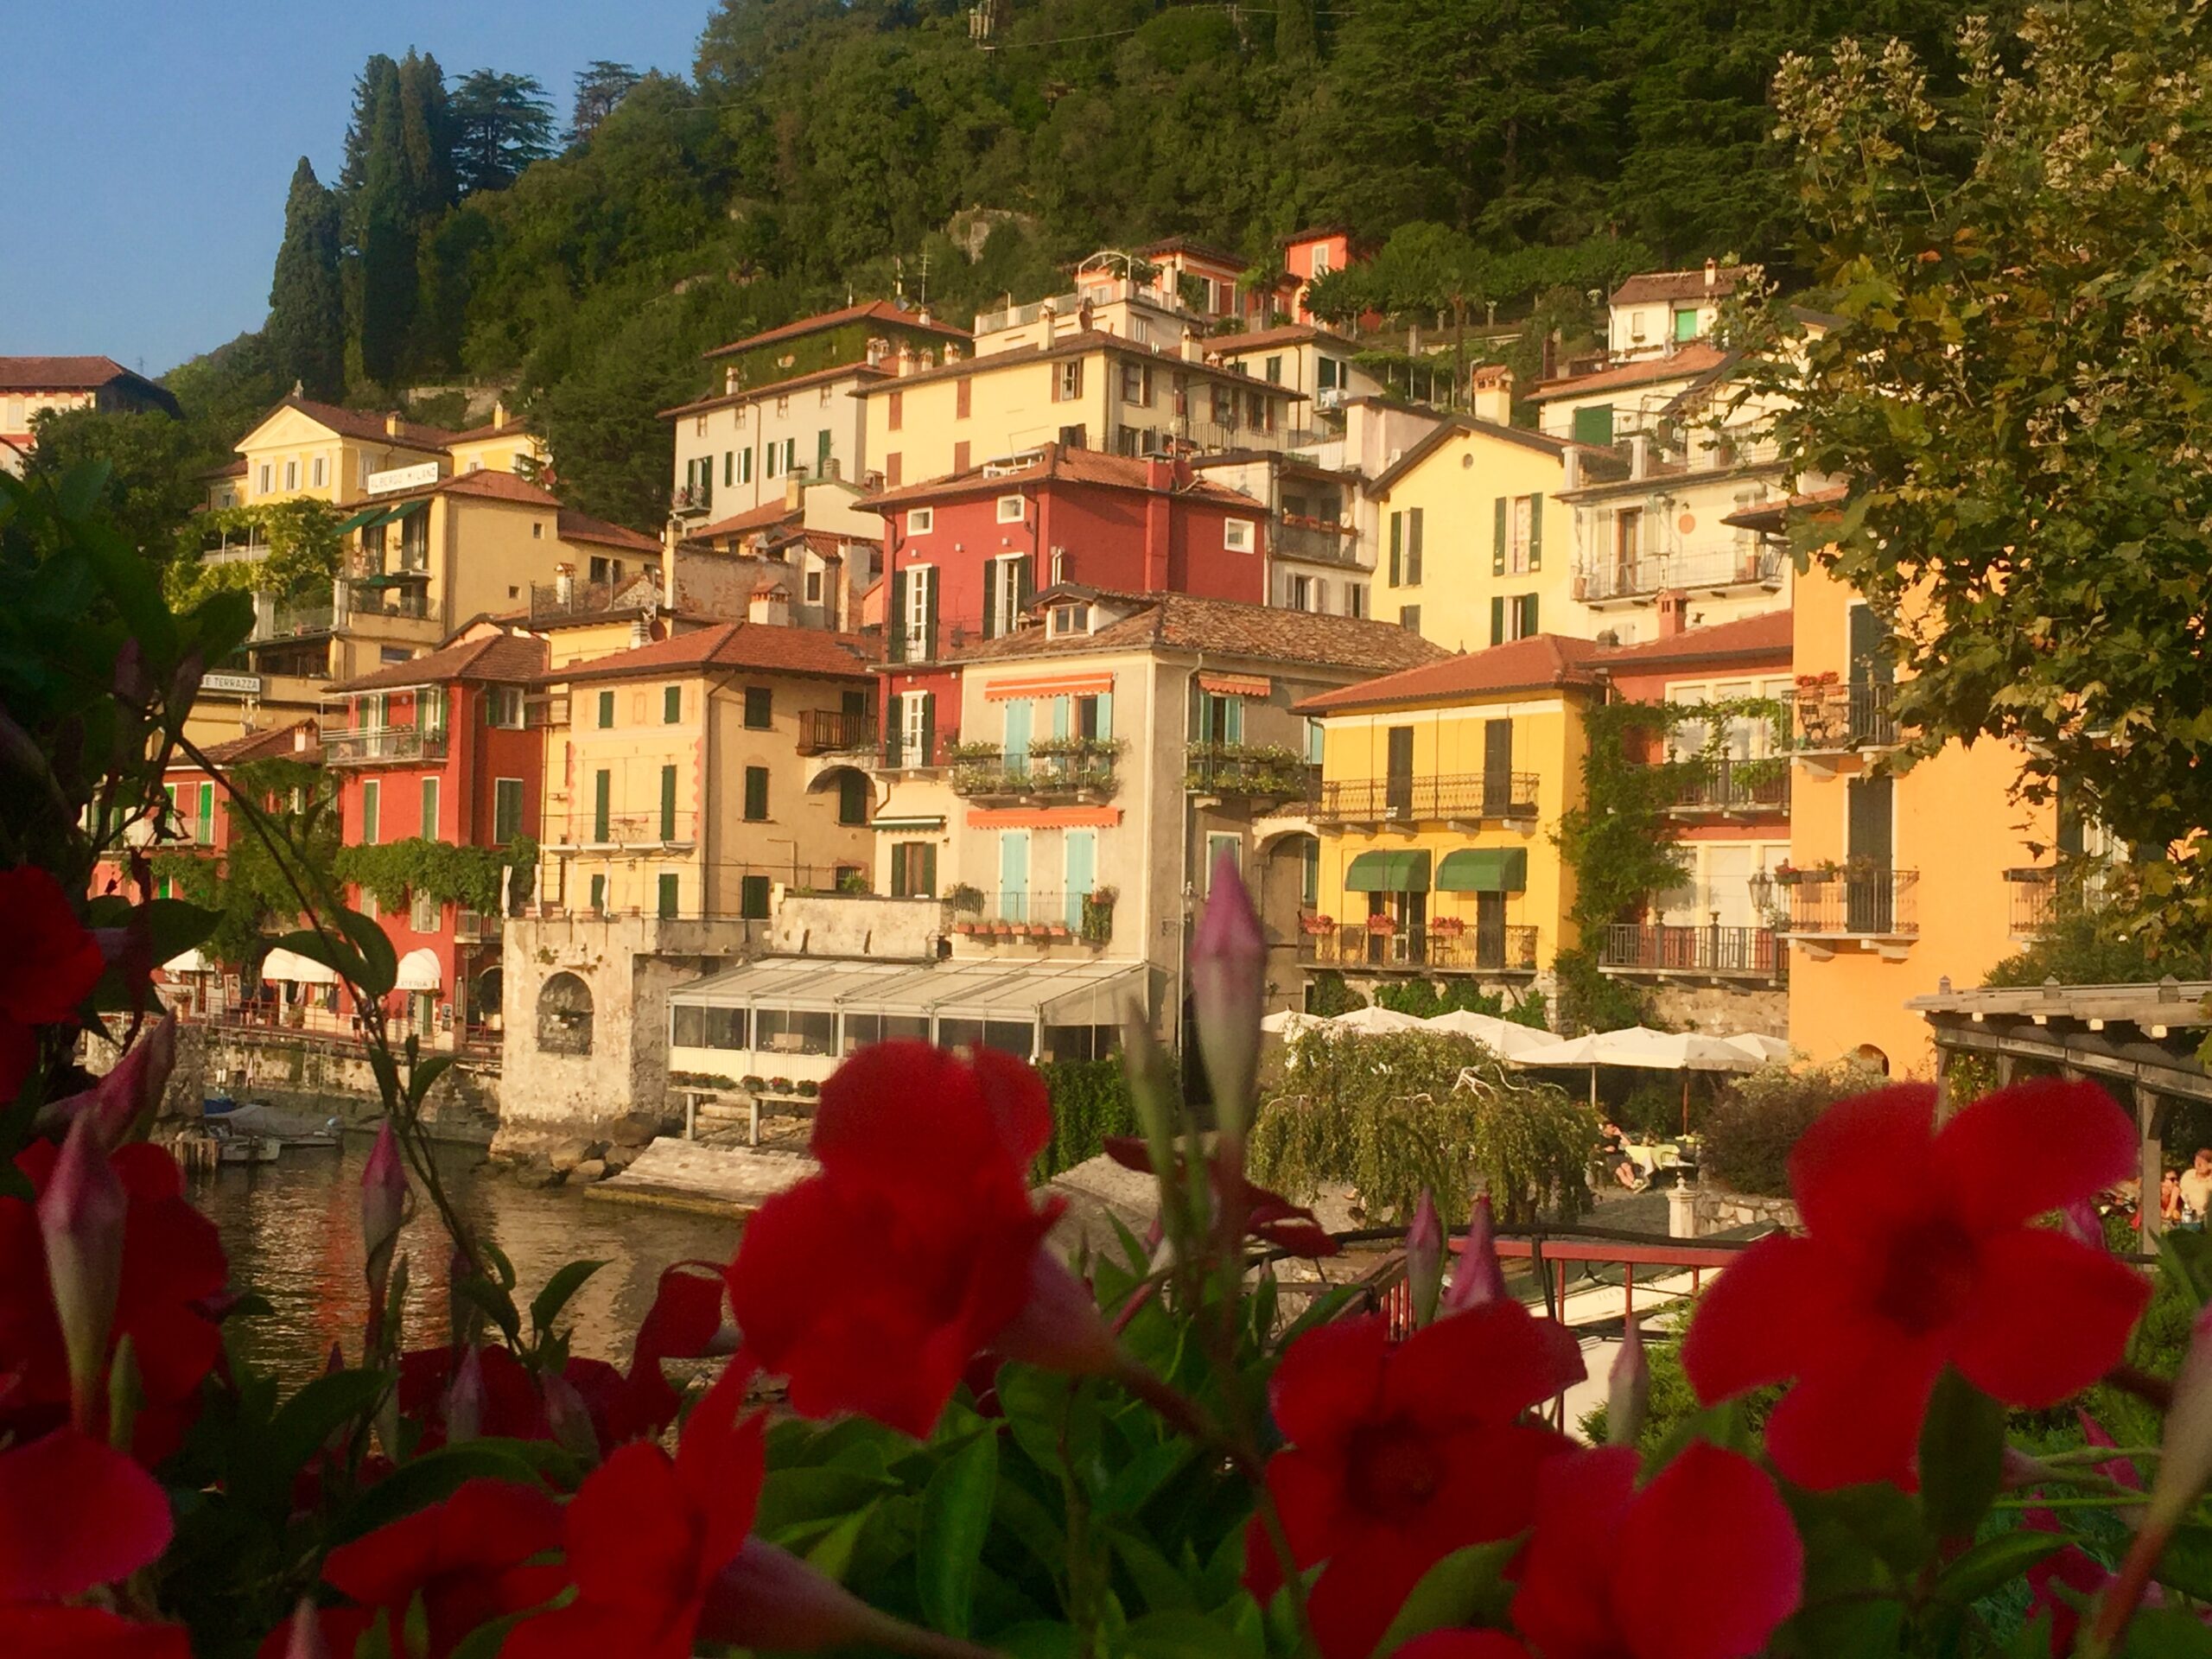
(319, 1410)
(130, 585)
(955, 1519)
(429, 1479)
(833, 1556)
(424, 1073)
(332, 951)
(379, 960)
(546, 1306)
(2166, 1633)
(1159, 1586)
(1039, 1639)
(2186, 1563)
(1468, 1587)
(81, 488)
(1995, 1562)
(1961, 1456)
(1182, 1635)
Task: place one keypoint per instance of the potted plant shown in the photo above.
(1447, 927)
(1382, 926)
(962, 899)
(1098, 915)
(1315, 924)
(780, 1085)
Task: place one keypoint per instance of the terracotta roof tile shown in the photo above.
(575, 527)
(1195, 248)
(507, 658)
(274, 743)
(1077, 344)
(1226, 628)
(1686, 363)
(1767, 634)
(766, 516)
(1056, 463)
(1679, 284)
(1291, 333)
(778, 388)
(867, 311)
(1453, 426)
(78, 374)
(365, 423)
(513, 427)
(1538, 663)
(769, 648)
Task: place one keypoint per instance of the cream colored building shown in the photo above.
(31, 386)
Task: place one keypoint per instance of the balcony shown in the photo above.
(1031, 918)
(1611, 581)
(1877, 907)
(1464, 797)
(832, 731)
(1729, 788)
(292, 622)
(1250, 772)
(1077, 769)
(1445, 945)
(224, 550)
(1292, 536)
(368, 745)
(1752, 954)
(474, 927)
(604, 831)
(1834, 719)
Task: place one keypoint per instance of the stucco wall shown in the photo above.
(857, 925)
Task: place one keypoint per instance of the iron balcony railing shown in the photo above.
(1428, 799)
(1474, 950)
(571, 598)
(189, 830)
(473, 926)
(291, 621)
(230, 552)
(1732, 786)
(1600, 578)
(1027, 914)
(828, 731)
(994, 773)
(366, 745)
(1880, 905)
(2040, 895)
(1251, 770)
(1839, 716)
(1294, 537)
(1756, 953)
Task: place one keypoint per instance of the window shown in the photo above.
(1685, 325)
(291, 474)
(599, 892)
(918, 585)
(602, 803)
(756, 794)
(1297, 593)
(894, 468)
(1012, 509)
(506, 810)
(1094, 716)
(537, 530)
(896, 406)
(429, 830)
(1067, 381)
(1409, 618)
(1355, 598)
(1315, 732)
(744, 465)
(319, 471)
(753, 899)
(1309, 872)
(266, 475)
(920, 521)
(852, 797)
(1221, 720)
(772, 460)
(424, 913)
(668, 803)
(1236, 535)
(671, 705)
(760, 708)
(960, 455)
(1136, 383)
(729, 467)
(372, 809)
(1070, 619)
(1221, 847)
(1328, 374)
(814, 586)
(670, 888)
(917, 732)
(606, 710)
(913, 869)
(699, 480)
(784, 404)
(1511, 617)
(1517, 535)
(963, 395)
(1006, 592)
(1273, 371)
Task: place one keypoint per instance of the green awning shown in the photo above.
(406, 507)
(362, 520)
(1483, 869)
(390, 578)
(1406, 872)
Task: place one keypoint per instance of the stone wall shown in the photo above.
(1716, 1210)
(552, 1089)
(1720, 1010)
(857, 925)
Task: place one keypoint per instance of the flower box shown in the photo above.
(1384, 925)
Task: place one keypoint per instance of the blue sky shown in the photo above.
(145, 145)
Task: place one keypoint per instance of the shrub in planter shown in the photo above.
(1749, 1133)
(808, 1089)
(754, 1082)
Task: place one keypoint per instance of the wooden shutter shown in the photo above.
(667, 803)
(603, 788)
(1025, 582)
(929, 626)
(895, 633)
(1412, 548)
(1497, 748)
(1497, 618)
(1497, 540)
(1397, 549)
(1536, 531)
(756, 793)
(991, 577)
(928, 756)
(895, 730)
(898, 855)
(929, 868)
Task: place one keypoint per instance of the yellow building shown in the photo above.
(1896, 881)
(1475, 548)
(1045, 379)
(1441, 790)
(503, 444)
(305, 448)
(696, 775)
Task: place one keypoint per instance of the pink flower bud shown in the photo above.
(1478, 1278)
(769, 1601)
(1060, 1327)
(568, 1418)
(1628, 1389)
(1425, 1259)
(2081, 1219)
(384, 1211)
(129, 1094)
(1229, 973)
(464, 1401)
(81, 1216)
(304, 1638)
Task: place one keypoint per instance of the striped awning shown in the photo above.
(1051, 685)
(1236, 685)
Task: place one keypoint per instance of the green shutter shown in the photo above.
(1398, 548)
(599, 892)
(667, 803)
(1529, 625)
(894, 729)
(606, 710)
(928, 756)
(1025, 584)
(1536, 531)
(1497, 539)
(371, 793)
(1594, 426)
(852, 799)
(667, 893)
(753, 899)
(602, 793)
(894, 631)
(756, 793)
(1497, 618)
(929, 868)
(671, 705)
(898, 871)
(929, 643)
(1413, 547)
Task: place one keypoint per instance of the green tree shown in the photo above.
(153, 464)
(426, 128)
(600, 84)
(502, 123)
(2011, 393)
(306, 331)
(387, 275)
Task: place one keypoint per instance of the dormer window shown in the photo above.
(1070, 620)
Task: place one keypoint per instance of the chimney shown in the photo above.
(903, 361)
(922, 316)
(770, 606)
(1673, 612)
(794, 492)
(729, 374)
(1050, 316)
(1711, 275)
(301, 734)
(1490, 393)
(641, 631)
(499, 415)
(1572, 469)
(1194, 349)
(878, 349)
(392, 423)
(952, 353)
(1159, 472)
(1639, 454)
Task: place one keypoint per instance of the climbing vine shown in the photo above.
(243, 884)
(303, 542)
(468, 876)
(1090, 1101)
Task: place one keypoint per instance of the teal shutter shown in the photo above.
(1018, 713)
(1014, 874)
(1536, 531)
(1232, 720)
(1497, 540)
(1497, 618)
(1060, 716)
(1105, 714)
(1082, 872)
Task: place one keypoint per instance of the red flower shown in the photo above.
(1920, 1252)
(172, 1265)
(469, 1558)
(43, 1631)
(647, 1534)
(1398, 1457)
(1703, 1563)
(73, 1514)
(50, 966)
(871, 1285)
(1268, 1217)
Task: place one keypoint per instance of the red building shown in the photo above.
(1310, 254)
(441, 747)
(965, 555)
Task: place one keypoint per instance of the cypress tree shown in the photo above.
(426, 128)
(387, 244)
(306, 309)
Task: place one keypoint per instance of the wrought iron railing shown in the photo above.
(1425, 799)
(1731, 952)
(1295, 538)
(1251, 770)
(1880, 905)
(1472, 948)
(1604, 578)
(988, 773)
(366, 744)
(1732, 786)
(1036, 917)
(1841, 717)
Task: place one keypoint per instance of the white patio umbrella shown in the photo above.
(1287, 1023)
(1761, 1047)
(1648, 1049)
(1369, 1020)
(1501, 1037)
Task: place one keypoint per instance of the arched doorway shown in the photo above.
(564, 1016)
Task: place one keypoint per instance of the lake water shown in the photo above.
(293, 1233)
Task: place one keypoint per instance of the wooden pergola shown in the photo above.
(2138, 1041)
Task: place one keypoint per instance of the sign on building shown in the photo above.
(233, 685)
(403, 478)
